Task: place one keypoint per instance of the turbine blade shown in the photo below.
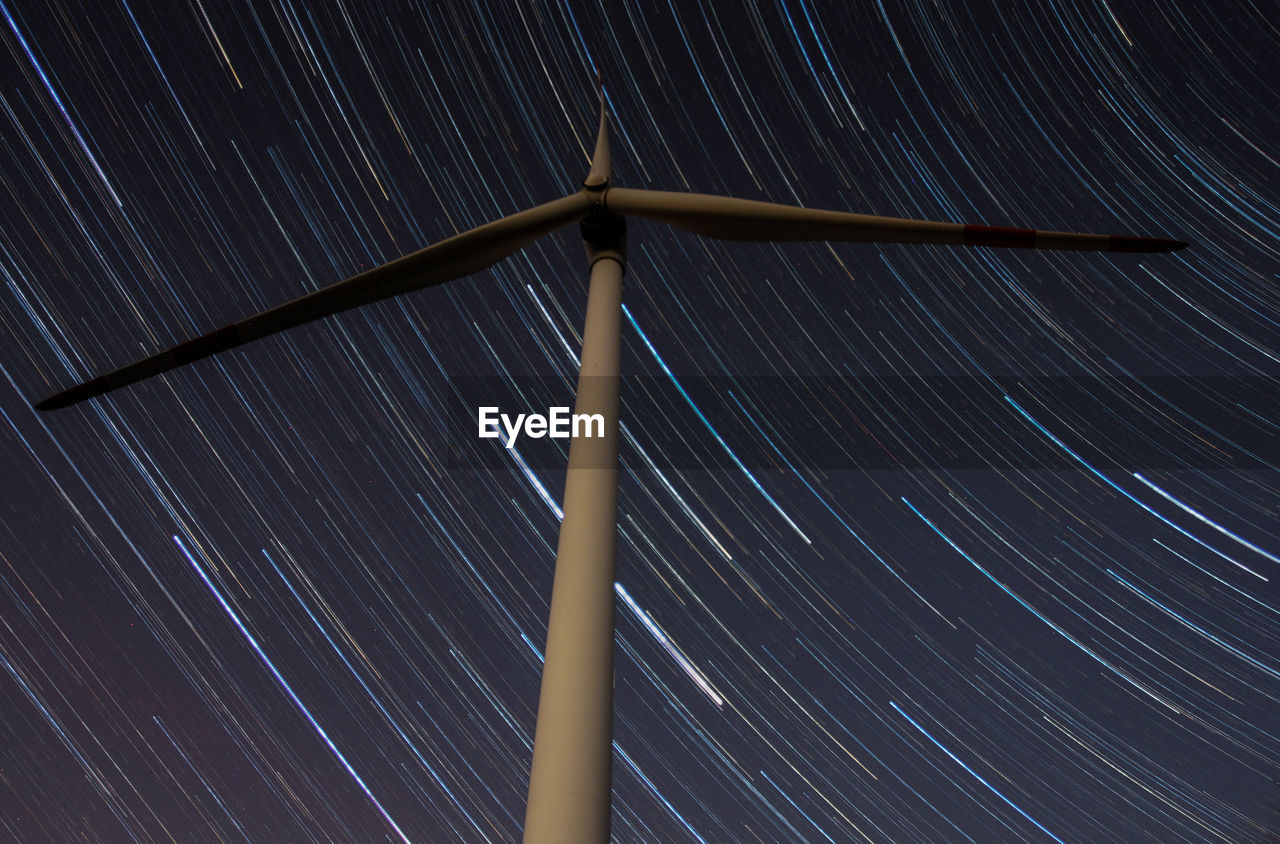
(727, 218)
(601, 164)
(449, 259)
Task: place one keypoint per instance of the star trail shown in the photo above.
(915, 542)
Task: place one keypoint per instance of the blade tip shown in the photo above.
(1122, 243)
(68, 397)
(54, 402)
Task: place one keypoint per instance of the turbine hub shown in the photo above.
(603, 232)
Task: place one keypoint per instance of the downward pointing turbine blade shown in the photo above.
(449, 259)
(726, 218)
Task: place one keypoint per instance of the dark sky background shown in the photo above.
(271, 597)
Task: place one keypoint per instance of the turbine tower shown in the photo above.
(570, 778)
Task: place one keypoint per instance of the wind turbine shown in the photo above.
(570, 778)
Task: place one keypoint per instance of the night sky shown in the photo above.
(917, 543)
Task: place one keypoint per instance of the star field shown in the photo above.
(916, 543)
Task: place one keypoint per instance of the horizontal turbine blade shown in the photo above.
(726, 218)
(457, 256)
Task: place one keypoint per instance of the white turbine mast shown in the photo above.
(571, 776)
